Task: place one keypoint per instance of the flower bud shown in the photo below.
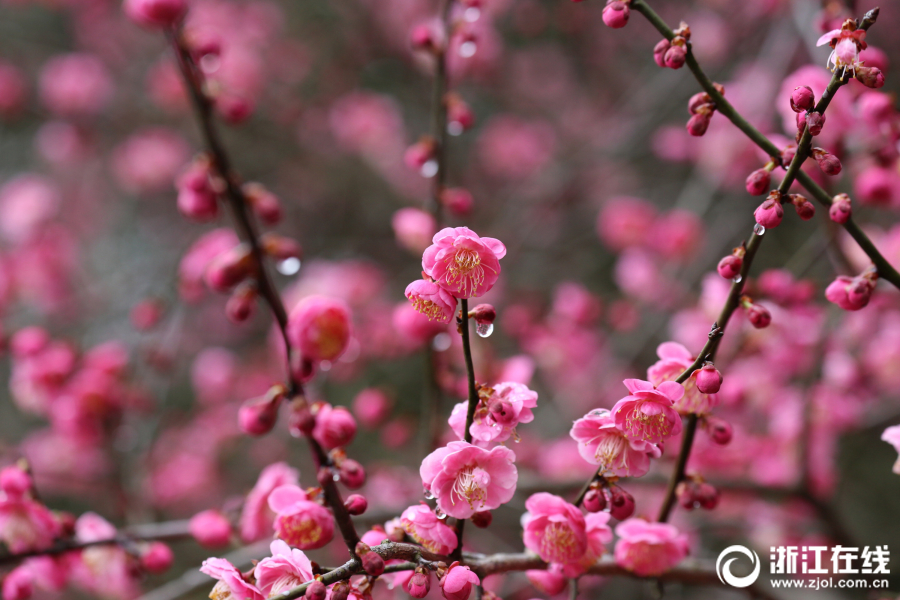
(719, 430)
(615, 14)
(839, 212)
(699, 100)
(315, 590)
(352, 474)
(675, 57)
(240, 305)
(258, 416)
(18, 584)
(621, 503)
(758, 182)
(372, 564)
(340, 591)
(233, 109)
(730, 266)
(302, 421)
(787, 155)
(229, 268)
(484, 314)
(709, 380)
(802, 99)
(425, 37)
(419, 584)
(14, 482)
(684, 493)
(805, 208)
(770, 213)
(482, 519)
(828, 162)
(420, 153)
(155, 13)
(459, 116)
(210, 528)
(659, 52)
(356, 504)
(502, 411)
(759, 316)
(157, 557)
(706, 496)
(198, 205)
(871, 77)
(594, 500)
(459, 201)
(815, 121)
(699, 123)
(264, 203)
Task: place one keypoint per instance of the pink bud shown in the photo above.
(770, 213)
(280, 247)
(659, 52)
(240, 305)
(787, 155)
(356, 504)
(621, 503)
(155, 13)
(319, 327)
(871, 77)
(200, 206)
(419, 153)
(157, 558)
(459, 116)
(698, 101)
(18, 584)
(594, 500)
(699, 123)
(229, 268)
(210, 528)
(14, 482)
(707, 496)
(758, 182)
(335, 427)
(484, 314)
(28, 341)
(340, 591)
(146, 314)
(709, 380)
(264, 203)
(457, 582)
(425, 37)
(730, 266)
(828, 163)
(459, 201)
(675, 57)
(302, 421)
(352, 474)
(719, 430)
(684, 492)
(839, 212)
(502, 411)
(805, 208)
(315, 590)
(759, 316)
(258, 416)
(615, 14)
(234, 109)
(482, 519)
(419, 584)
(372, 564)
(815, 121)
(802, 99)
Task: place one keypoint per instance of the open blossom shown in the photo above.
(554, 529)
(596, 528)
(891, 435)
(256, 516)
(846, 42)
(496, 419)
(431, 300)
(299, 521)
(231, 585)
(601, 443)
(649, 549)
(462, 262)
(674, 358)
(648, 414)
(466, 479)
(422, 525)
(285, 569)
(25, 524)
(457, 583)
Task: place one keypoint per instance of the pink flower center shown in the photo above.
(559, 543)
(466, 271)
(647, 426)
(471, 486)
(428, 308)
(610, 449)
(298, 530)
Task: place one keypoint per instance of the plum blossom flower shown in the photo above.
(256, 516)
(600, 442)
(649, 549)
(320, 328)
(510, 403)
(598, 535)
(431, 300)
(554, 529)
(462, 262)
(299, 521)
(285, 569)
(466, 479)
(25, 525)
(422, 525)
(674, 358)
(846, 43)
(457, 583)
(231, 585)
(891, 435)
(648, 413)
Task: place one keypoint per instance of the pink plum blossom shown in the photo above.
(285, 569)
(413, 228)
(457, 582)
(601, 442)
(256, 516)
(299, 521)
(26, 525)
(554, 529)
(431, 300)
(496, 420)
(422, 525)
(231, 584)
(649, 549)
(466, 479)
(462, 262)
(319, 327)
(674, 359)
(648, 414)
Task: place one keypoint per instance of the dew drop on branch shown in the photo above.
(288, 266)
(759, 229)
(467, 49)
(472, 14)
(441, 342)
(484, 329)
(429, 169)
(737, 278)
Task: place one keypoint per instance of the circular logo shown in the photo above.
(724, 570)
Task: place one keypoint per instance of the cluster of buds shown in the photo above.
(770, 213)
(760, 180)
(693, 492)
(672, 53)
(758, 315)
(718, 430)
(605, 495)
(198, 190)
(803, 102)
(840, 210)
(853, 293)
(616, 13)
(730, 266)
(701, 106)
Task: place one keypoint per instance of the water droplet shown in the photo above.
(210, 63)
(439, 514)
(429, 169)
(467, 49)
(288, 266)
(472, 14)
(454, 128)
(737, 278)
(484, 329)
(335, 477)
(429, 496)
(441, 342)
(325, 365)
(759, 229)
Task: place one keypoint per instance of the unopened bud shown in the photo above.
(315, 591)
(615, 14)
(240, 305)
(659, 52)
(352, 474)
(828, 162)
(264, 203)
(482, 519)
(229, 268)
(840, 210)
(759, 316)
(730, 266)
(758, 182)
(356, 504)
(594, 500)
(815, 121)
(621, 503)
(709, 380)
(340, 591)
(719, 430)
(805, 208)
(871, 77)
(802, 99)
(675, 57)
